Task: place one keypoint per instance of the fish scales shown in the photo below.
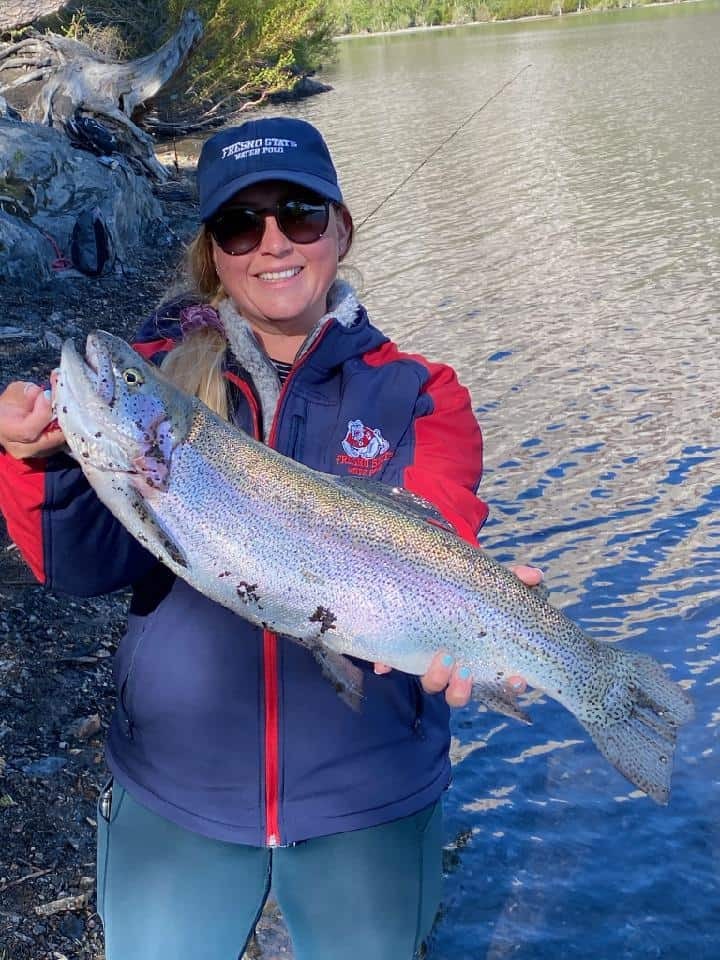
(348, 571)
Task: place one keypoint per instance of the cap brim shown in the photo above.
(228, 190)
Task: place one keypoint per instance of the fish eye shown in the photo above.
(132, 377)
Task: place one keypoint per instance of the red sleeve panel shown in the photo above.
(22, 495)
(446, 463)
(153, 347)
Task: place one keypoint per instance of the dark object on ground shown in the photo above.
(85, 133)
(91, 248)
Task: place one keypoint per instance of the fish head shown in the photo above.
(117, 411)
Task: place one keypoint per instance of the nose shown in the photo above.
(274, 240)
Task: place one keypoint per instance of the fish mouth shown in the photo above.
(91, 374)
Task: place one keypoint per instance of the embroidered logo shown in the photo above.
(366, 450)
(242, 149)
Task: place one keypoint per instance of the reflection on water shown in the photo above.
(563, 253)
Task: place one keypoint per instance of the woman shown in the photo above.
(235, 765)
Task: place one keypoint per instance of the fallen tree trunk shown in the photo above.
(19, 13)
(77, 80)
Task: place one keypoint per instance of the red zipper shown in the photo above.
(270, 666)
(272, 740)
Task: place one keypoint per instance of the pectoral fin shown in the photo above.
(153, 536)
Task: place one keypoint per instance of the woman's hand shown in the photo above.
(25, 415)
(445, 674)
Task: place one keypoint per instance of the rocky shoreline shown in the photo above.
(56, 690)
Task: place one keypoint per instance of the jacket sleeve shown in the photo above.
(69, 539)
(442, 459)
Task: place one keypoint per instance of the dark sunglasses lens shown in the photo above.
(303, 222)
(237, 231)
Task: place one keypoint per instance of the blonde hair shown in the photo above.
(196, 363)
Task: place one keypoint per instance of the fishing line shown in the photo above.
(439, 147)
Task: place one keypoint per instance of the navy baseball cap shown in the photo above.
(271, 148)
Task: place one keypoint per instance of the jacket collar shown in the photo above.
(347, 315)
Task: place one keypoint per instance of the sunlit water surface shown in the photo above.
(562, 252)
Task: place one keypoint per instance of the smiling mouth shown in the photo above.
(273, 276)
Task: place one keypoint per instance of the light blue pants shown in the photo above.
(164, 892)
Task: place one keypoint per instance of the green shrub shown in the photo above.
(257, 45)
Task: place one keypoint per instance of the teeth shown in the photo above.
(280, 274)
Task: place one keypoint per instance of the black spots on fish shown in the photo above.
(248, 593)
(98, 435)
(326, 618)
(140, 510)
(174, 553)
(225, 573)
(64, 409)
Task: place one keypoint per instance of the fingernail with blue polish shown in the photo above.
(447, 660)
(464, 673)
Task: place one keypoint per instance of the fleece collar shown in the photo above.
(343, 306)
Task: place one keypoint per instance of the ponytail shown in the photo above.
(196, 363)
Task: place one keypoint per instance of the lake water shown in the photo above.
(562, 251)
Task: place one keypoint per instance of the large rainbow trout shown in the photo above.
(346, 568)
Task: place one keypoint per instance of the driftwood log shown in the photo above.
(19, 13)
(79, 81)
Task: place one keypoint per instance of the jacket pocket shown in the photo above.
(418, 699)
(296, 445)
(144, 651)
(124, 667)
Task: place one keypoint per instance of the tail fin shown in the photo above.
(641, 743)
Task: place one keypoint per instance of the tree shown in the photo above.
(254, 47)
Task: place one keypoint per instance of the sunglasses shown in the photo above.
(238, 229)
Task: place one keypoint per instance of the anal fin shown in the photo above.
(497, 697)
(346, 678)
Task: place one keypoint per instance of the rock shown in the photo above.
(23, 252)
(303, 87)
(46, 185)
(72, 927)
(47, 767)
(8, 112)
(52, 341)
(62, 905)
(85, 727)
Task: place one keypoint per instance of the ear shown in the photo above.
(344, 230)
(214, 255)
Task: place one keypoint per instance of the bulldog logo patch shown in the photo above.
(366, 450)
